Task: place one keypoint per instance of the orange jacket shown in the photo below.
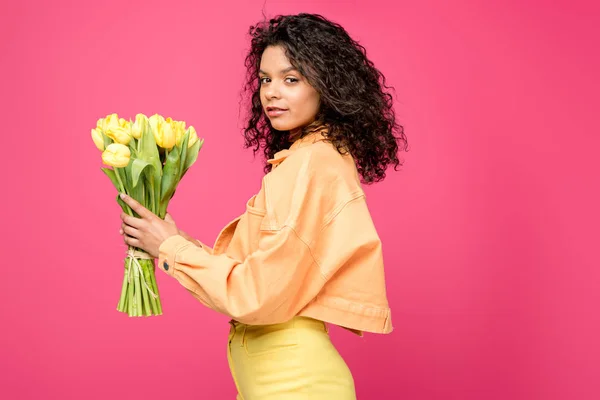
(306, 245)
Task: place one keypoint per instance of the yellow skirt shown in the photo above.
(287, 361)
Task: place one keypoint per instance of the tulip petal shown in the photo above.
(116, 155)
(98, 139)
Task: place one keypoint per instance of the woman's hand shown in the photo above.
(147, 232)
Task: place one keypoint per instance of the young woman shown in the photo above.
(305, 252)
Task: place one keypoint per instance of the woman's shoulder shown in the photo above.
(316, 178)
(322, 162)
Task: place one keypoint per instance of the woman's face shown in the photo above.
(283, 87)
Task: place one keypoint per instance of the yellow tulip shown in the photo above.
(156, 121)
(119, 134)
(116, 155)
(138, 125)
(179, 129)
(193, 137)
(170, 122)
(98, 139)
(172, 126)
(165, 136)
(111, 121)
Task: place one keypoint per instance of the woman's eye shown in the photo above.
(261, 80)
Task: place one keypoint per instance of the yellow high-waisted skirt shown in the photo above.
(288, 361)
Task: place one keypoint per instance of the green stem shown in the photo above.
(154, 287)
(125, 304)
(149, 278)
(121, 305)
(123, 189)
(130, 298)
(138, 294)
(145, 293)
(152, 197)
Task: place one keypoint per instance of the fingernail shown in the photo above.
(123, 195)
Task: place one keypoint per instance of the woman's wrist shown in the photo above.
(189, 238)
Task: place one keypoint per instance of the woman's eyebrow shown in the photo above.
(283, 71)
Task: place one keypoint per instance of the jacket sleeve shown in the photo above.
(273, 283)
(208, 249)
(261, 289)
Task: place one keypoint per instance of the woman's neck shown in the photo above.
(296, 133)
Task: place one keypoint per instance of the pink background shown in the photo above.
(490, 231)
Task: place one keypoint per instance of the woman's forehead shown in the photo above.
(274, 61)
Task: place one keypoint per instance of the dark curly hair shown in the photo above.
(355, 109)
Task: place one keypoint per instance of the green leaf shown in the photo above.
(106, 139)
(149, 151)
(184, 144)
(113, 178)
(124, 206)
(192, 155)
(126, 175)
(170, 176)
(133, 147)
(138, 166)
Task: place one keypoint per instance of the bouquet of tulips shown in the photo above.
(148, 158)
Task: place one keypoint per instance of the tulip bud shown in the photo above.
(111, 121)
(193, 136)
(98, 139)
(138, 125)
(116, 155)
(179, 127)
(123, 123)
(156, 121)
(167, 136)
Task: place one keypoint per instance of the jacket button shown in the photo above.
(166, 266)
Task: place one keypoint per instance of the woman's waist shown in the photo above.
(295, 322)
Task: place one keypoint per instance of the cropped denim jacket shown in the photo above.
(306, 245)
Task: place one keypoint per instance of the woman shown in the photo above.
(305, 252)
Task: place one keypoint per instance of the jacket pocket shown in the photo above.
(254, 222)
(269, 339)
(225, 236)
(252, 209)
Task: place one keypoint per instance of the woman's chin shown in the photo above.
(281, 127)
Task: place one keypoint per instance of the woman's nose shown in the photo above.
(272, 91)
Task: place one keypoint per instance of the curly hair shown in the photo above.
(354, 107)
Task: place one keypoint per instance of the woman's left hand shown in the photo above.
(147, 232)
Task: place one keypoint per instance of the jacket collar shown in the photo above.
(307, 140)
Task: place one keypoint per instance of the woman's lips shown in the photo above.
(275, 112)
